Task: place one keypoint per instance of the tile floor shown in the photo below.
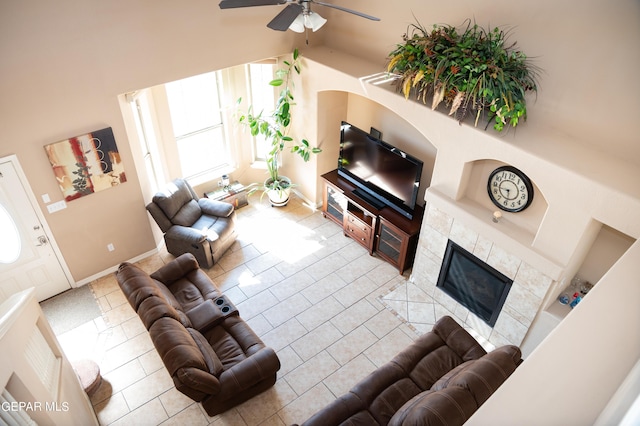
(327, 307)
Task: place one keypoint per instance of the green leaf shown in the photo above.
(276, 82)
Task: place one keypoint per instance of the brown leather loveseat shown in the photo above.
(212, 355)
(440, 379)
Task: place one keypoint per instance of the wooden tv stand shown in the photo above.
(382, 231)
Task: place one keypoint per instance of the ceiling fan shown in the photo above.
(297, 16)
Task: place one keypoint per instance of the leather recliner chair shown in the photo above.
(200, 226)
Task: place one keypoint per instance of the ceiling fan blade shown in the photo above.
(283, 20)
(231, 4)
(344, 9)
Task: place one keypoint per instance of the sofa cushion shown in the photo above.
(433, 366)
(233, 341)
(136, 284)
(188, 214)
(203, 223)
(176, 346)
(189, 285)
(155, 307)
(451, 406)
(210, 358)
(173, 197)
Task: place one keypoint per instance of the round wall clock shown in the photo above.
(510, 189)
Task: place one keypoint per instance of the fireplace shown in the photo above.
(472, 283)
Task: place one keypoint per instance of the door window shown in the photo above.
(10, 244)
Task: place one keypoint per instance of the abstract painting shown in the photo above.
(86, 164)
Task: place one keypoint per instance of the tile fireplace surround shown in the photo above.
(443, 220)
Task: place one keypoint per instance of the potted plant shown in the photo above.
(274, 127)
(469, 69)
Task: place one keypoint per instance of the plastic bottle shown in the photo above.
(576, 299)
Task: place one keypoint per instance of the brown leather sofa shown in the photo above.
(440, 379)
(212, 355)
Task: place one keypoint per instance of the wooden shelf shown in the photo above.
(381, 231)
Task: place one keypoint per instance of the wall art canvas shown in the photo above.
(86, 164)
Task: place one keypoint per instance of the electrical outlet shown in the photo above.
(110, 247)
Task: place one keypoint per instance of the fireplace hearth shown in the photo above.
(474, 284)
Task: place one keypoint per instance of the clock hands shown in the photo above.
(503, 188)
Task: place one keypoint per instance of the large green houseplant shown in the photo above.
(274, 127)
(469, 69)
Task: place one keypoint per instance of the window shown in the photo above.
(11, 245)
(144, 121)
(262, 97)
(188, 128)
(194, 104)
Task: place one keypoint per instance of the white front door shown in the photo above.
(27, 258)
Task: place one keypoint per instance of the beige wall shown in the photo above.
(63, 65)
(572, 375)
(572, 206)
(580, 45)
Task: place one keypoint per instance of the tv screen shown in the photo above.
(384, 175)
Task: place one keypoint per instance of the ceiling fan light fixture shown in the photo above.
(313, 21)
(298, 24)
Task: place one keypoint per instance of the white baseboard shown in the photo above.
(307, 201)
(113, 269)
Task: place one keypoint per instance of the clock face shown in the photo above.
(510, 189)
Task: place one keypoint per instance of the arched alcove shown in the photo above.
(474, 188)
(336, 106)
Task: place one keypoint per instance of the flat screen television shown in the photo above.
(383, 174)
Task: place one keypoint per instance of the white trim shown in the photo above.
(13, 159)
(306, 201)
(113, 269)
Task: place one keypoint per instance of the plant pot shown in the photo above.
(278, 196)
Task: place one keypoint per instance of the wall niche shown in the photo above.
(474, 188)
(607, 248)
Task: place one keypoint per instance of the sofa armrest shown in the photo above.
(458, 339)
(184, 233)
(447, 407)
(176, 269)
(211, 313)
(215, 207)
(337, 412)
(250, 371)
(191, 379)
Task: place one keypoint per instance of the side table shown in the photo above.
(235, 193)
